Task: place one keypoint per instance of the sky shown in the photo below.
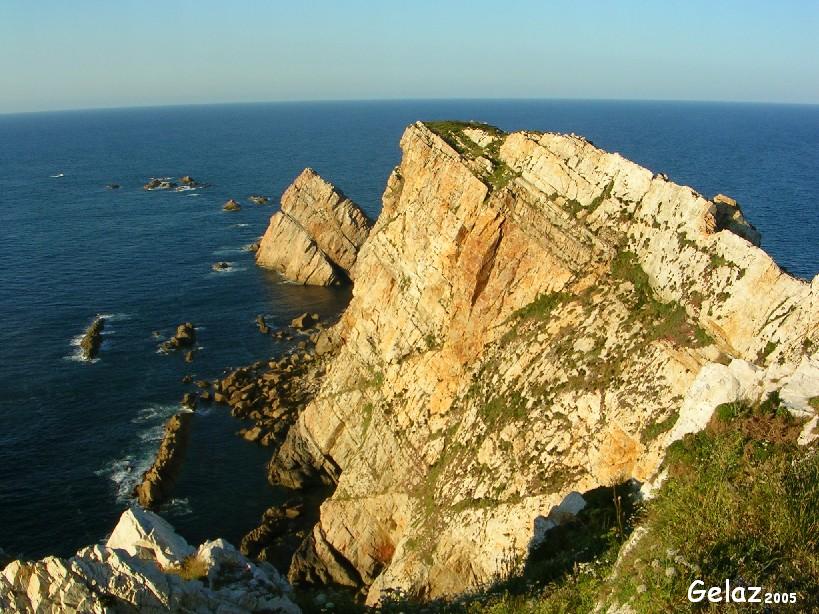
(93, 53)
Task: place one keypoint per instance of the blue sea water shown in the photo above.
(75, 435)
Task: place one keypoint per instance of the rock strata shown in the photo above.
(531, 317)
(157, 482)
(145, 567)
(92, 339)
(316, 236)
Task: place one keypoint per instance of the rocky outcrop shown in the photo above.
(316, 236)
(232, 205)
(184, 337)
(92, 339)
(154, 184)
(158, 480)
(531, 317)
(258, 200)
(145, 567)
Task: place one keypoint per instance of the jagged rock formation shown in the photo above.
(316, 236)
(145, 567)
(92, 339)
(158, 480)
(531, 317)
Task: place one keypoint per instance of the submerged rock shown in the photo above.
(262, 324)
(159, 184)
(92, 340)
(146, 567)
(258, 200)
(316, 236)
(220, 266)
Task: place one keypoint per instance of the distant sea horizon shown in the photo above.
(75, 435)
(170, 105)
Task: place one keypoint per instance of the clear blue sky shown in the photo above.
(56, 54)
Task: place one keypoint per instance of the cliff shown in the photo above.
(316, 236)
(145, 567)
(532, 318)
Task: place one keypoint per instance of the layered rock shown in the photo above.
(531, 317)
(145, 567)
(158, 480)
(316, 236)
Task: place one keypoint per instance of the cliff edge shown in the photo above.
(532, 318)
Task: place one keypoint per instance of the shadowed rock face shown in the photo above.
(316, 236)
(531, 316)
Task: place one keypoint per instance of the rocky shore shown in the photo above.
(532, 318)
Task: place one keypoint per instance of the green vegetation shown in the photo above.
(741, 502)
(511, 406)
(453, 133)
(657, 428)
(542, 306)
(663, 320)
(190, 569)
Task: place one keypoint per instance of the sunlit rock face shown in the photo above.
(316, 236)
(530, 317)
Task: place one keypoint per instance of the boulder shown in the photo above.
(158, 184)
(231, 205)
(305, 320)
(184, 337)
(220, 266)
(316, 236)
(262, 324)
(258, 200)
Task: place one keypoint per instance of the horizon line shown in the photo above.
(409, 99)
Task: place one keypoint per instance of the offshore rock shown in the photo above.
(316, 236)
(145, 567)
(157, 482)
(92, 339)
(531, 317)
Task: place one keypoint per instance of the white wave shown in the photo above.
(192, 194)
(57, 176)
(242, 225)
(227, 251)
(126, 472)
(230, 269)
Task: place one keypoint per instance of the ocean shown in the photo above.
(75, 435)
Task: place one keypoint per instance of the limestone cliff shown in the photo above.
(145, 567)
(316, 236)
(531, 317)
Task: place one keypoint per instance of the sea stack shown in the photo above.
(315, 238)
(92, 340)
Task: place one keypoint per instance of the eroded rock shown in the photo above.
(316, 236)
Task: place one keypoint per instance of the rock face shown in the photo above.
(316, 236)
(532, 317)
(145, 567)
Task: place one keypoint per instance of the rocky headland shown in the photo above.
(315, 238)
(532, 319)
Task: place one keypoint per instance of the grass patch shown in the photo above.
(452, 132)
(658, 427)
(542, 306)
(662, 320)
(189, 569)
